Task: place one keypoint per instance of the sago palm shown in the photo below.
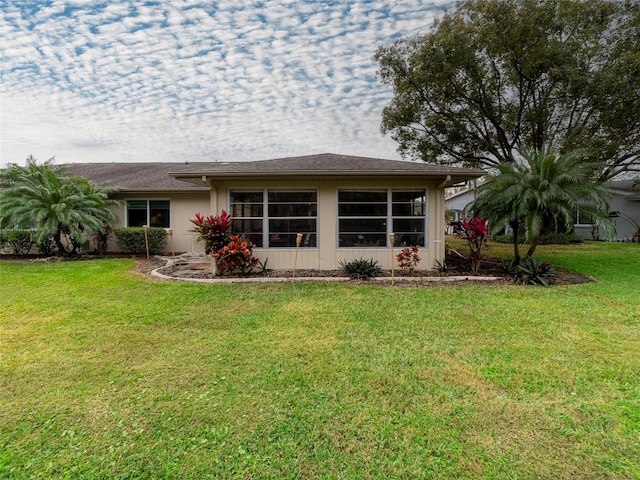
(542, 190)
(52, 203)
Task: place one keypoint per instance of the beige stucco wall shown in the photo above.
(326, 256)
(183, 206)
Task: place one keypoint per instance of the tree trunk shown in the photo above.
(533, 246)
(57, 239)
(515, 226)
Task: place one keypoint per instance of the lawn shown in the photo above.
(108, 374)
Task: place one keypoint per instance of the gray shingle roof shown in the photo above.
(326, 164)
(174, 176)
(152, 176)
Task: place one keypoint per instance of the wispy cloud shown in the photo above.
(194, 80)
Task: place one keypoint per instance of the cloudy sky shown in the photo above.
(197, 80)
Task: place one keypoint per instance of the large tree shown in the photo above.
(495, 77)
(56, 205)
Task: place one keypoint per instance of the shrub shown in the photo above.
(236, 256)
(19, 241)
(47, 246)
(510, 269)
(361, 269)
(409, 258)
(442, 266)
(560, 238)
(213, 230)
(101, 239)
(475, 231)
(131, 239)
(531, 271)
(546, 239)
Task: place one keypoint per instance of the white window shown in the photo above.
(274, 218)
(366, 217)
(154, 213)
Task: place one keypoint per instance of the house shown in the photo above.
(344, 207)
(624, 207)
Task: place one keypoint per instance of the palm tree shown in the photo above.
(54, 204)
(542, 192)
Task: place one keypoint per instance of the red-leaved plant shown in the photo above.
(476, 231)
(214, 230)
(409, 258)
(237, 255)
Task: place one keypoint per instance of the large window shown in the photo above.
(362, 218)
(366, 217)
(409, 211)
(154, 213)
(274, 218)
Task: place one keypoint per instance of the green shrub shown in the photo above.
(47, 246)
(546, 239)
(361, 269)
(19, 241)
(131, 239)
(532, 271)
(560, 238)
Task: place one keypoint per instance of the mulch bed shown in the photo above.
(457, 266)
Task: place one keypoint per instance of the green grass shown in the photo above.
(106, 374)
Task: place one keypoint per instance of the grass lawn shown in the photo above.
(106, 374)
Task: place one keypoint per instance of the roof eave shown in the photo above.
(200, 178)
(162, 190)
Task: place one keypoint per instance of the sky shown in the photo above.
(197, 80)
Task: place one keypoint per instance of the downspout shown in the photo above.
(446, 183)
(213, 195)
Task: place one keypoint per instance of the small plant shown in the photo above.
(510, 269)
(361, 269)
(442, 266)
(214, 230)
(236, 256)
(409, 258)
(532, 271)
(262, 266)
(475, 231)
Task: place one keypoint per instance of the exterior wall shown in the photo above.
(326, 256)
(626, 223)
(460, 201)
(183, 206)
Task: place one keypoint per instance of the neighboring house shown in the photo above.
(624, 208)
(345, 207)
(456, 204)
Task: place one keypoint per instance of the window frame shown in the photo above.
(266, 219)
(389, 218)
(577, 222)
(148, 210)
